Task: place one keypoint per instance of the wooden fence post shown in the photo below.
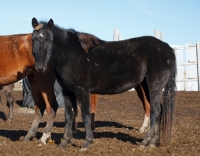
(198, 63)
(117, 35)
(158, 34)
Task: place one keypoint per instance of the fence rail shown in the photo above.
(188, 66)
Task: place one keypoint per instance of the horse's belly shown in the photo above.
(115, 90)
(111, 81)
(114, 87)
(12, 76)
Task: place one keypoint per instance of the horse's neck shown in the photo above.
(65, 42)
(64, 37)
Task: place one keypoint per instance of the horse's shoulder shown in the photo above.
(88, 41)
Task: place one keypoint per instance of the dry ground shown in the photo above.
(117, 120)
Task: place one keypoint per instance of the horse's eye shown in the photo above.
(50, 41)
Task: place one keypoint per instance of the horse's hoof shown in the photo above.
(50, 141)
(83, 149)
(86, 145)
(9, 121)
(24, 139)
(152, 145)
(41, 143)
(64, 143)
(29, 137)
(142, 146)
(21, 138)
(141, 130)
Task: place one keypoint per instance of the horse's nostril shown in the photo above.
(40, 70)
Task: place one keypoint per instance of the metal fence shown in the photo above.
(188, 66)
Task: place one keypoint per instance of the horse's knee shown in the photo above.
(39, 110)
(10, 100)
(48, 110)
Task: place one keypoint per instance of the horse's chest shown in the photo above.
(71, 75)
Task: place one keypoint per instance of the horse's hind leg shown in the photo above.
(152, 135)
(143, 94)
(83, 99)
(39, 107)
(93, 107)
(10, 100)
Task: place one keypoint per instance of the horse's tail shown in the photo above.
(168, 105)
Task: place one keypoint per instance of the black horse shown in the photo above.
(85, 64)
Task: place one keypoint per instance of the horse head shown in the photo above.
(42, 35)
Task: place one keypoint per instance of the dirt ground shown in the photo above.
(117, 121)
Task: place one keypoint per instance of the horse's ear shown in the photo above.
(34, 23)
(51, 24)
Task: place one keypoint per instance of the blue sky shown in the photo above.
(178, 20)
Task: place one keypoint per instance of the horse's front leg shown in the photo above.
(152, 135)
(39, 111)
(39, 108)
(51, 108)
(70, 112)
(46, 85)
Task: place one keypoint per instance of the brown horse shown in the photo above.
(8, 90)
(16, 63)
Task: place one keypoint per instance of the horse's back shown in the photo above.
(16, 40)
(139, 51)
(16, 57)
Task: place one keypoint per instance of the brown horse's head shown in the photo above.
(42, 35)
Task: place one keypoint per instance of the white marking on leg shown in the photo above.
(145, 124)
(44, 138)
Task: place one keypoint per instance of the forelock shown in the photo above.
(38, 27)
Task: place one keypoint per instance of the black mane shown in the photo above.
(87, 41)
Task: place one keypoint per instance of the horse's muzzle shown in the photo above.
(40, 68)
